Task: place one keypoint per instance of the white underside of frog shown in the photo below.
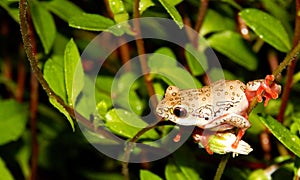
(219, 107)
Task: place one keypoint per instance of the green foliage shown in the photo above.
(227, 42)
(290, 140)
(5, 174)
(44, 24)
(62, 29)
(263, 25)
(13, 117)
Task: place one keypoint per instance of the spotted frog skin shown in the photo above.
(219, 107)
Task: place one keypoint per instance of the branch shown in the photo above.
(291, 69)
(28, 46)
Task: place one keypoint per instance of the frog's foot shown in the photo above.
(263, 89)
(178, 135)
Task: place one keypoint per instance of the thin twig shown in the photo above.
(24, 25)
(201, 14)
(33, 119)
(141, 52)
(21, 77)
(145, 70)
(123, 46)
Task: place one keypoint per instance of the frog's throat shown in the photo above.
(187, 122)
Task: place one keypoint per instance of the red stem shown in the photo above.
(33, 120)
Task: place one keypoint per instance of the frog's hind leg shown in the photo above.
(239, 136)
(229, 121)
(202, 137)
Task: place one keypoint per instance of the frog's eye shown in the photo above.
(179, 112)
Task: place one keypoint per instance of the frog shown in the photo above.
(219, 107)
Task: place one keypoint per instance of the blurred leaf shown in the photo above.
(94, 22)
(267, 28)
(148, 175)
(186, 164)
(233, 4)
(13, 119)
(196, 60)
(259, 175)
(5, 173)
(163, 57)
(214, 22)
(289, 140)
(219, 73)
(43, 24)
(175, 2)
(232, 45)
(62, 8)
(24, 154)
(168, 5)
(170, 76)
(58, 106)
(163, 65)
(127, 124)
(124, 90)
(176, 171)
(144, 5)
(54, 75)
(73, 72)
(13, 12)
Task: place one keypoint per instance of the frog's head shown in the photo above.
(178, 109)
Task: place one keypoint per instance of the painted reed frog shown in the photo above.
(219, 107)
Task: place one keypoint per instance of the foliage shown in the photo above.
(250, 38)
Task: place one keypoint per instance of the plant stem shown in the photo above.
(33, 118)
(141, 52)
(221, 167)
(201, 14)
(291, 69)
(28, 46)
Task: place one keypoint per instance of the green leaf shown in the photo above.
(125, 91)
(214, 22)
(44, 24)
(186, 164)
(259, 174)
(73, 72)
(176, 171)
(233, 46)
(268, 28)
(289, 140)
(163, 65)
(144, 5)
(167, 4)
(127, 124)
(63, 9)
(94, 22)
(54, 75)
(163, 57)
(58, 106)
(148, 175)
(196, 60)
(13, 118)
(170, 76)
(5, 173)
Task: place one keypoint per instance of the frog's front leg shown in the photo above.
(229, 121)
(262, 88)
